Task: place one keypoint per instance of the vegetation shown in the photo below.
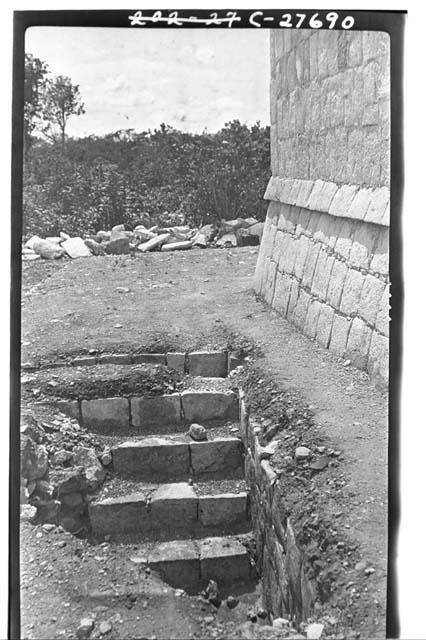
(161, 177)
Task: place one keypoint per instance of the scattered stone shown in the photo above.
(30, 243)
(319, 464)
(48, 527)
(179, 593)
(86, 457)
(198, 432)
(34, 459)
(154, 243)
(232, 602)
(177, 246)
(142, 234)
(105, 627)
(47, 250)
(61, 457)
(212, 593)
(252, 616)
(280, 623)
(262, 613)
(85, 628)
(76, 248)
(361, 566)
(138, 559)
(314, 631)
(369, 570)
(118, 246)
(95, 248)
(229, 239)
(28, 512)
(68, 480)
(103, 236)
(64, 236)
(105, 458)
(302, 453)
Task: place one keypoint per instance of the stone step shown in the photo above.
(169, 459)
(169, 510)
(190, 564)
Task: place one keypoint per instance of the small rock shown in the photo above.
(48, 527)
(61, 457)
(138, 560)
(280, 623)
(209, 619)
(48, 250)
(314, 631)
(105, 627)
(346, 363)
(232, 602)
(95, 248)
(28, 512)
(198, 432)
(179, 593)
(369, 570)
(361, 566)
(212, 592)
(262, 613)
(85, 628)
(118, 246)
(321, 449)
(76, 248)
(252, 616)
(302, 453)
(106, 458)
(229, 239)
(319, 464)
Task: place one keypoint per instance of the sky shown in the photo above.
(136, 79)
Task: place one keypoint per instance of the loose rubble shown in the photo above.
(120, 241)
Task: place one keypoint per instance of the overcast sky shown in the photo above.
(136, 79)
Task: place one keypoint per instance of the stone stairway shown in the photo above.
(186, 498)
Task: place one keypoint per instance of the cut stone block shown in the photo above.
(70, 408)
(211, 364)
(209, 405)
(126, 514)
(223, 509)
(174, 506)
(152, 457)
(177, 246)
(149, 358)
(222, 456)
(176, 361)
(115, 358)
(105, 412)
(157, 410)
(154, 243)
(224, 560)
(177, 562)
(84, 361)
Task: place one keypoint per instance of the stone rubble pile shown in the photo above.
(60, 471)
(119, 241)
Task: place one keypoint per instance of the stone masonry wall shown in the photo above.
(323, 261)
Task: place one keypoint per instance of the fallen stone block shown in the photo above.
(126, 514)
(157, 410)
(142, 234)
(176, 361)
(68, 480)
(224, 560)
(177, 562)
(76, 248)
(199, 406)
(220, 457)
(211, 364)
(103, 236)
(227, 240)
(152, 458)
(105, 413)
(174, 507)
(154, 243)
(95, 248)
(115, 358)
(48, 250)
(118, 246)
(177, 246)
(30, 243)
(222, 510)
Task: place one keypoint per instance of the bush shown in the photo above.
(161, 177)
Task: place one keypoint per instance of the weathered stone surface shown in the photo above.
(358, 344)
(30, 243)
(34, 459)
(84, 361)
(382, 318)
(149, 358)
(339, 335)
(76, 248)
(351, 292)
(221, 456)
(68, 480)
(211, 364)
(371, 295)
(164, 409)
(174, 506)
(223, 509)
(154, 457)
(105, 412)
(95, 473)
(69, 407)
(47, 250)
(378, 204)
(142, 234)
(378, 358)
(176, 361)
(115, 358)
(324, 324)
(322, 275)
(208, 405)
(224, 560)
(310, 327)
(380, 260)
(177, 562)
(154, 243)
(103, 236)
(127, 514)
(336, 283)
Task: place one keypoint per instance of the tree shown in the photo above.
(34, 96)
(62, 100)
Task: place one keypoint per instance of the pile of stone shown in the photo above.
(119, 241)
(59, 475)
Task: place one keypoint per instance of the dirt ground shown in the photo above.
(203, 299)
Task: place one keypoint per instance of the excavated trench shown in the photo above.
(196, 510)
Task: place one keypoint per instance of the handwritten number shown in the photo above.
(332, 18)
(348, 22)
(286, 20)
